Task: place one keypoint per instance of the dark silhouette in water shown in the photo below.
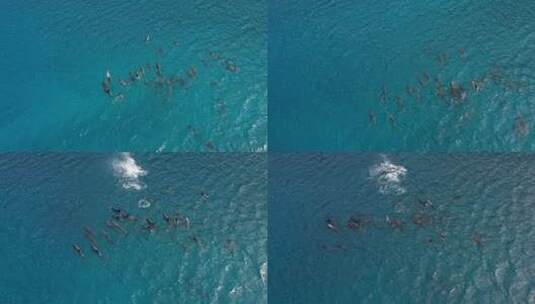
(96, 250)
(90, 236)
(420, 219)
(383, 97)
(231, 66)
(230, 246)
(78, 250)
(425, 203)
(457, 92)
(476, 239)
(476, 85)
(192, 72)
(149, 225)
(116, 226)
(106, 84)
(521, 127)
(395, 223)
(399, 103)
(356, 223)
(168, 220)
(424, 79)
(106, 236)
(182, 221)
(372, 119)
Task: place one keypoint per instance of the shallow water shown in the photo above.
(459, 228)
(54, 56)
(48, 199)
(376, 75)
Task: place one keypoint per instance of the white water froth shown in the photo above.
(264, 272)
(388, 176)
(129, 172)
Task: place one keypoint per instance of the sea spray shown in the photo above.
(388, 176)
(128, 171)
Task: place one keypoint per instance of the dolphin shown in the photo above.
(106, 236)
(116, 226)
(96, 250)
(90, 235)
(149, 225)
(78, 250)
(394, 223)
(332, 225)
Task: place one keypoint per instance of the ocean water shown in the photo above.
(210, 93)
(397, 75)
(215, 254)
(405, 228)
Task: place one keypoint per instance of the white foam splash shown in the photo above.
(129, 172)
(388, 176)
(143, 203)
(264, 272)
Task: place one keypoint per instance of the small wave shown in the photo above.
(143, 203)
(129, 172)
(388, 176)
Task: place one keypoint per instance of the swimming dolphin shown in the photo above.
(182, 221)
(116, 226)
(168, 220)
(106, 236)
(457, 91)
(372, 119)
(476, 85)
(78, 250)
(356, 223)
(96, 250)
(106, 84)
(231, 67)
(383, 97)
(425, 203)
(149, 225)
(90, 235)
(332, 225)
(476, 239)
(521, 127)
(420, 219)
(394, 223)
(192, 72)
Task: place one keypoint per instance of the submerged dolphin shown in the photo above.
(116, 226)
(78, 250)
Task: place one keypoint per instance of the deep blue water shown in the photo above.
(54, 56)
(331, 61)
(459, 230)
(46, 200)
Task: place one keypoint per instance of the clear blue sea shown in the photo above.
(401, 75)
(216, 252)
(442, 228)
(210, 93)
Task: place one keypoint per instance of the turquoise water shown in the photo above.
(48, 199)
(211, 94)
(376, 75)
(459, 229)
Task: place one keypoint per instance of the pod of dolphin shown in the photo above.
(425, 216)
(449, 92)
(121, 223)
(154, 76)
